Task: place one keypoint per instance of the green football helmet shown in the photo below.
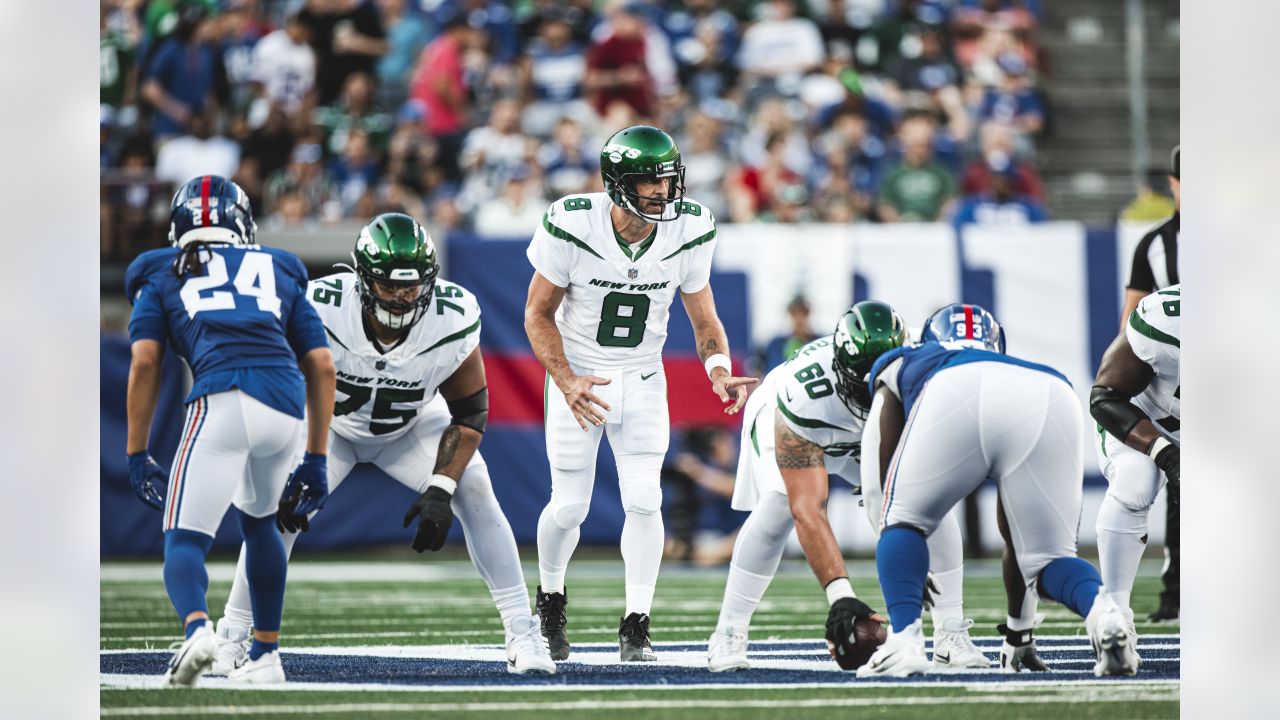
(641, 152)
(866, 331)
(396, 265)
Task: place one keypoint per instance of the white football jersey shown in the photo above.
(1154, 332)
(380, 394)
(615, 310)
(806, 399)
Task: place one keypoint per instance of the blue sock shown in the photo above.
(902, 561)
(195, 625)
(259, 648)
(1072, 582)
(185, 577)
(265, 565)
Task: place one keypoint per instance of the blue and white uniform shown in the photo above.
(971, 415)
(242, 324)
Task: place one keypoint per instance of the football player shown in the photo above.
(401, 336)
(607, 267)
(237, 313)
(948, 414)
(1136, 402)
(804, 422)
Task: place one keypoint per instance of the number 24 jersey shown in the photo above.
(615, 310)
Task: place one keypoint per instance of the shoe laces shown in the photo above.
(551, 611)
(635, 629)
(731, 641)
(531, 640)
(958, 638)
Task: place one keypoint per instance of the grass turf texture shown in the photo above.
(435, 601)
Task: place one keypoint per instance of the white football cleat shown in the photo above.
(263, 671)
(527, 648)
(1109, 632)
(953, 649)
(194, 656)
(727, 649)
(233, 647)
(902, 654)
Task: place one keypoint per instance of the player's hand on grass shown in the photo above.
(585, 404)
(148, 479)
(435, 516)
(840, 638)
(730, 388)
(305, 492)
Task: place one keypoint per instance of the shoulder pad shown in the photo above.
(143, 267)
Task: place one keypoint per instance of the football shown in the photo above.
(868, 635)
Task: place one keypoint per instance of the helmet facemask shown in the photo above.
(625, 194)
(383, 298)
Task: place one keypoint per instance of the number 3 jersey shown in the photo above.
(1153, 332)
(618, 299)
(807, 401)
(380, 394)
(240, 322)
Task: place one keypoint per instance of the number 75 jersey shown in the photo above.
(618, 296)
(380, 394)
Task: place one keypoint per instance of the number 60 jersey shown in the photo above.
(614, 314)
(380, 394)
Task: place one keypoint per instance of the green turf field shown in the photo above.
(353, 604)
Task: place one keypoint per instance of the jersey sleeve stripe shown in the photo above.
(755, 444)
(1137, 323)
(334, 337)
(804, 422)
(456, 336)
(693, 243)
(567, 237)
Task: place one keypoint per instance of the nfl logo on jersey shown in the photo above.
(632, 274)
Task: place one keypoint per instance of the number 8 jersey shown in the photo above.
(618, 299)
(381, 393)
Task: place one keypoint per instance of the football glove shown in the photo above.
(435, 516)
(305, 492)
(840, 639)
(931, 591)
(148, 479)
(1169, 459)
(1018, 652)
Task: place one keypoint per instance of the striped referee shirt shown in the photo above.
(1155, 260)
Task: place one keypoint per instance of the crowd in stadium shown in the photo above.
(475, 113)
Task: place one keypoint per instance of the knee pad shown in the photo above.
(644, 498)
(1115, 515)
(571, 515)
(639, 482)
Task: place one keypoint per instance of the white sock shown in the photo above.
(1120, 547)
(742, 593)
(512, 602)
(948, 602)
(491, 544)
(756, 553)
(642, 541)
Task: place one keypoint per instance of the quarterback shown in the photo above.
(607, 267)
(804, 422)
(400, 338)
(1137, 403)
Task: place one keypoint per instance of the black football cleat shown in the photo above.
(1167, 612)
(633, 639)
(551, 613)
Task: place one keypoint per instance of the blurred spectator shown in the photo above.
(238, 32)
(753, 189)
(569, 164)
(438, 86)
(985, 28)
(996, 141)
(201, 152)
(843, 26)
(407, 34)
(616, 66)
(1154, 203)
(881, 116)
(780, 48)
(706, 161)
(789, 203)
(302, 190)
(490, 152)
(264, 152)
(354, 110)
(999, 205)
(553, 70)
(704, 42)
(894, 34)
(781, 348)
(774, 118)
(580, 14)
(284, 69)
(411, 155)
(348, 38)
(851, 153)
(117, 42)
(1014, 101)
(498, 22)
(700, 480)
(918, 188)
(178, 80)
(513, 214)
(354, 172)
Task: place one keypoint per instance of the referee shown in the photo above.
(1155, 266)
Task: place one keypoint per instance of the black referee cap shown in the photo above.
(1173, 162)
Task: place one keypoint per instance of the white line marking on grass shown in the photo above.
(570, 705)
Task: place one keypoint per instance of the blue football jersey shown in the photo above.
(921, 362)
(243, 322)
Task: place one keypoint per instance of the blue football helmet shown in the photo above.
(210, 208)
(966, 326)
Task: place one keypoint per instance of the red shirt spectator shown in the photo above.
(1026, 181)
(439, 85)
(616, 69)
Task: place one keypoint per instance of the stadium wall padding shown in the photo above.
(1054, 286)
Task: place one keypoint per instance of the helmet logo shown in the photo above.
(404, 274)
(366, 244)
(616, 152)
(844, 340)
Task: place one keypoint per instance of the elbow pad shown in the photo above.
(1114, 411)
(471, 411)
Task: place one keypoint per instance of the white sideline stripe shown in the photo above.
(639, 704)
(156, 682)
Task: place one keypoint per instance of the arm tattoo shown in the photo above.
(707, 349)
(448, 447)
(795, 453)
